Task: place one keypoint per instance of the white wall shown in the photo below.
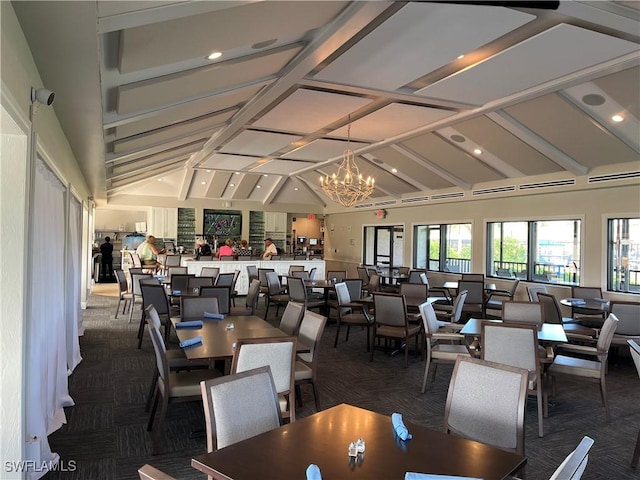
(108, 219)
(19, 73)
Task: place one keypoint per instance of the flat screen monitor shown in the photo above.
(313, 241)
(302, 239)
(222, 223)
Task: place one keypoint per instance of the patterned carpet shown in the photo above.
(106, 431)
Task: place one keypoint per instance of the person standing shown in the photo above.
(269, 249)
(106, 262)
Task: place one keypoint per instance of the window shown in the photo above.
(443, 248)
(546, 251)
(623, 255)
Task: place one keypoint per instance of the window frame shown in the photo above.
(574, 272)
(608, 260)
(442, 229)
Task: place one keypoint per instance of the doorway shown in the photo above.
(384, 246)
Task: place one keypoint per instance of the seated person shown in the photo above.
(244, 248)
(225, 250)
(202, 248)
(148, 253)
(269, 249)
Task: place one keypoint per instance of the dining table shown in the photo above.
(324, 438)
(220, 336)
(598, 305)
(547, 332)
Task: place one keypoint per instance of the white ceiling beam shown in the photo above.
(162, 13)
(557, 156)
(275, 190)
(411, 181)
(352, 20)
(612, 66)
(186, 183)
(144, 177)
(429, 165)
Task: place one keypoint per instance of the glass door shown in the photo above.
(384, 246)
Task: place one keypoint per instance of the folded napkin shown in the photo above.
(578, 302)
(176, 292)
(313, 472)
(431, 476)
(399, 427)
(189, 324)
(215, 316)
(601, 300)
(191, 341)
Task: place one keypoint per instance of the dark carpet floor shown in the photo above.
(106, 431)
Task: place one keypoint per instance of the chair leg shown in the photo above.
(406, 353)
(540, 408)
(368, 337)
(426, 372)
(603, 394)
(157, 433)
(141, 330)
(346, 338)
(152, 390)
(335, 342)
(316, 397)
(636, 453)
(152, 415)
(266, 311)
(372, 348)
(118, 307)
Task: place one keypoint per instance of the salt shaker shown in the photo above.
(360, 446)
(353, 449)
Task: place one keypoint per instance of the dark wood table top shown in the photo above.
(323, 439)
(548, 332)
(218, 341)
(454, 286)
(598, 306)
(325, 284)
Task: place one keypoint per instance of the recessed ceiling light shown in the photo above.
(159, 179)
(394, 170)
(232, 184)
(214, 55)
(265, 175)
(258, 186)
(477, 151)
(237, 173)
(296, 189)
(208, 171)
(617, 118)
(203, 183)
(460, 57)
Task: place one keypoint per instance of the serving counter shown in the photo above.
(242, 285)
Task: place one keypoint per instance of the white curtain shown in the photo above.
(73, 309)
(47, 387)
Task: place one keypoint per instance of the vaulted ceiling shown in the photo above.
(439, 97)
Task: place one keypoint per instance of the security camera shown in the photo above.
(42, 95)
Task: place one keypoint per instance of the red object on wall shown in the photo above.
(311, 216)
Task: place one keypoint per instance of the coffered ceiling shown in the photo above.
(439, 96)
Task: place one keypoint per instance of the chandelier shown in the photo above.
(346, 186)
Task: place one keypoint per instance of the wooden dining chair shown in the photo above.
(522, 312)
(279, 353)
(306, 366)
(221, 293)
(195, 307)
(156, 296)
(251, 300)
(474, 411)
(441, 347)
(588, 369)
(516, 344)
(391, 322)
(183, 386)
(350, 314)
(239, 406)
(147, 472)
(291, 318)
(496, 298)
